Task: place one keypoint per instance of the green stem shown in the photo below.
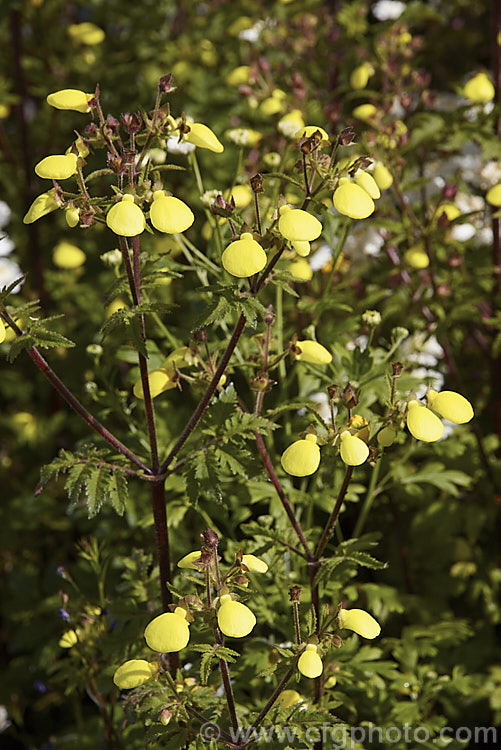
(369, 499)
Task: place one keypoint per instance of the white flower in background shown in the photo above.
(209, 197)
(463, 232)
(155, 155)
(388, 10)
(426, 352)
(321, 257)
(5, 214)
(9, 271)
(468, 203)
(6, 245)
(4, 722)
(321, 401)
(362, 241)
(175, 146)
(490, 174)
(252, 34)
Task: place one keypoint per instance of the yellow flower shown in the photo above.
(450, 405)
(298, 225)
(302, 247)
(301, 269)
(290, 123)
(382, 176)
(479, 89)
(188, 560)
(422, 423)
(68, 256)
(169, 214)
(494, 195)
(203, 137)
(417, 257)
(360, 622)
(72, 216)
(3, 332)
(42, 205)
(241, 194)
(25, 424)
(73, 99)
(234, 618)
(302, 457)
(309, 663)
(352, 200)
(133, 673)
(254, 564)
(273, 104)
(58, 167)
(168, 632)
(309, 130)
(450, 210)
(386, 436)
(68, 639)
(239, 76)
(313, 352)
(364, 112)
(288, 698)
(353, 450)
(115, 306)
(86, 33)
(125, 218)
(244, 257)
(359, 77)
(160, 380)
(367, 183)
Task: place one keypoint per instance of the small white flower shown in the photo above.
(463, 232)
(321, 257)
(175, 146)
(5, 214)
(252, 34)
(4, 722)
(6, 245)
(209, 197)
(490, 174)
(9, 271)
(363, 240)
(238, 136)
(388, 10)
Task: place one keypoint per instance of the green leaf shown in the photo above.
(118, 491)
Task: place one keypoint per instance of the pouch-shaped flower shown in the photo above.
(68, 256)
(386, 436)
(188, 560)
(423, 424)
(360, 622)
(57, 167)
(302, 457)
(417, 257)
(494, 195)
(313, 352)
(479, 89)
(255, 564)
(450, 210)
(359, 77)
(450, 405)
(288, 698)
(309, 663)
(302, 247)
(159, 380)
(301, 269)
(367, 183)
(42, 205)
(168, 632)
(234, 619)
(68, 639)
(72, 99)
(297, 225)
(72, 216)
(203, 137)
(352, 200)
(86, 33)
(125, 218)
(133, 673)
(169, 214)
(353, 450)
(364, 112)
(244, 257)
(3, 332)
(382, 176)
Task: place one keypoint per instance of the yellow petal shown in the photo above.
(72, 216)
(417, 257)
(133, 673)
(187, 560)
(203, 137)
(254, 563)
(234, 618)
(298, 225)
(422, 423)
(239, 76)
(364, 112)
(359, 77)
(288, 698)
(42, 205)
(68, 256)
(353, 201)
(479, 89)
(168, 632)
(450, 405)
(57, 167)
(313, 352)
(302, 458)
(86, 33)
(382, 176)
(494, 195)
(72, 99)
(159, 381)
(68, 639)
(450, 210)
(169, 214)
(125, 218)
(353, 450)
(367, 183)
(309, 663)
(3, 332)
(309, 130)
(301, 269)
(242, 195)
(360, 622)
(302, 247)
(244, 257)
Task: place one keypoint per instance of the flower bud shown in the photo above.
(422, 423)
(125, 218)
(244, 257)
(133, 673)
(302, 458)
(72, 216)
(298, 225)
(352, 200)
(313, 352)
(68, 256)
(42, 205)
(386, 436)
(203, 137)
(479, 89)
(309, 663)
(168, 632)
(58, 167)
(354, 451)
(169, 214)
(360, 622)
(234, 619)
(71, 99)
(450, 405)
